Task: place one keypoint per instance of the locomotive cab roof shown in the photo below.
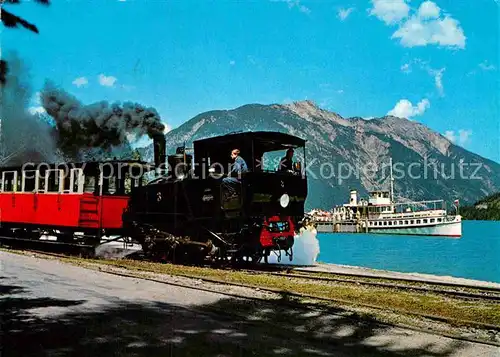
(265, 140)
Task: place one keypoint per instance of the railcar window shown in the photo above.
(109, 185)
(52, 180)
(41, 181)
(9, 181)
(78, 180)
(67, 183)
(29, 181)
(89, 185)
(130, 183)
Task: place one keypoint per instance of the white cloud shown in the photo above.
(36, 110)
(405, 109)
(406, 68)
(340, 91)
(427, 26)
(127, 87)
(298, 5)
(80, 81)
(344, 13)
(390, 11)
(428, 10)
(464, 136)
(107, 81)
(438, 78)
(420, 32)
(437, 74)
(232, 63)
(485, 66)
(450, 135)
(461, 138)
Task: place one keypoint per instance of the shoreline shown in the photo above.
(372, 272)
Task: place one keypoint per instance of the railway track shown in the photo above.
(454, 290)
(462, 291)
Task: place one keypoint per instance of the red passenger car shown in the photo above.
(64, 199)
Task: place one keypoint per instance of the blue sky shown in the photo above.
(436, 62)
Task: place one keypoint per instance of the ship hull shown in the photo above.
(452, 228)
(445, 229)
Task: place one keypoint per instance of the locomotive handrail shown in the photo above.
(215, 235)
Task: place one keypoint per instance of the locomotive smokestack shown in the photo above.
(160, 151)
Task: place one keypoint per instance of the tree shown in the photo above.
(13, 21)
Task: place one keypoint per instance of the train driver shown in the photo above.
(238, 167)
(286, 163)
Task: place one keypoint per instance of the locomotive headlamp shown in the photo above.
(284, 200)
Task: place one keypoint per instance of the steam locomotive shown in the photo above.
(183, 215)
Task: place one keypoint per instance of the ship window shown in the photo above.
(432, 220)
(418, 221)
(400, 222)
(385, 223)
(412, 221)
(439, 219)
(425, 220)
(406, 222)
(390, 223)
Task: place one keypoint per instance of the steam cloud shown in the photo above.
(305, 250)
(24, 136)
(100, 125)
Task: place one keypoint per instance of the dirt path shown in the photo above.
(50, 308)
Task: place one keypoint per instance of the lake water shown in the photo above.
(476, 255)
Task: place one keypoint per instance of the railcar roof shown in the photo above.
(75, 164)
(267, 140)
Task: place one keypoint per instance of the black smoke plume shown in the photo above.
(97, 127)
(24, 136)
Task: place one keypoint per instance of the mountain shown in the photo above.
(427, 166)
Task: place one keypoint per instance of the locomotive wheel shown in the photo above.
(248, 257)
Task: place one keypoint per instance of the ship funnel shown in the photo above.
(160, 150)
(354, 197)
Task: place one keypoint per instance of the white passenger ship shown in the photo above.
(380, 214)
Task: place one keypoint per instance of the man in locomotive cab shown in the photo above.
(238, 167)
(286, 163)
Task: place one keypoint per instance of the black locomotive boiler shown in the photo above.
(186, 216)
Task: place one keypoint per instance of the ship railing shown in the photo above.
(419, 214)
(434, 203)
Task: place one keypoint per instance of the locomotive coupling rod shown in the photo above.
(216, 236)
